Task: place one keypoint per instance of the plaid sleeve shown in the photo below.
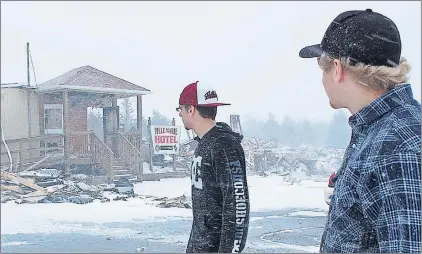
(391, 199)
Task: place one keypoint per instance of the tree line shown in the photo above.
(294, 133)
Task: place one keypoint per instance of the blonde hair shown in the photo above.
(376, 77)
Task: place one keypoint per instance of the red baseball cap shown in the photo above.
(195, 95)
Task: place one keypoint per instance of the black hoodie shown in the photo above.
(220, 197)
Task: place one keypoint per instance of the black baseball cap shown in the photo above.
(363, 36)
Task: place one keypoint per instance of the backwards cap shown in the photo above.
(196, 95)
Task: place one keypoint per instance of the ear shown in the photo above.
(338, 73)
(191, 110)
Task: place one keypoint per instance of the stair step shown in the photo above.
(123, 172)
(118, 166)
(123, 175)
(131, 177)
(134, 179)
(121, 168)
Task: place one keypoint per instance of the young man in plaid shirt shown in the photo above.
(376, 206)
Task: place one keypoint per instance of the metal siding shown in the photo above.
(14, 113)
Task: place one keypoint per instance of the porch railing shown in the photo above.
(80, 143)
(27, 151)
(101, 154)
(133, 138)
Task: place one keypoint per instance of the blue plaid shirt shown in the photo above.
(376, 206)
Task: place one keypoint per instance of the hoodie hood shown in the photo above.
(223, 127)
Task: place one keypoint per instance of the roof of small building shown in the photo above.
(90, 79)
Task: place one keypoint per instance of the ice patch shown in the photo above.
(256, 219)
(299, 248)
(308, 214)
(274, 217)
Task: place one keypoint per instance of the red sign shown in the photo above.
(165, 140)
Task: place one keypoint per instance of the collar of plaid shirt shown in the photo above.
(397, 96)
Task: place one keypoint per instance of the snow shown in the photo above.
(271, 193)
(13, 243)
(266, 194)
(252, 219)
(168, 187)
(157, 169)
(274, 217)
(42, 218)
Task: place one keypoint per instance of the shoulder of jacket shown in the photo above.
(225, 139)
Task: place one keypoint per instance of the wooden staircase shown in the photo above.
(121, 162)
(122, 170)
(128, 160)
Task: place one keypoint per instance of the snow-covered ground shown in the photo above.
(158, 169)
(267, 194)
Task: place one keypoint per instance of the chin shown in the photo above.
(185, 125)
(335, 106)
(332, 105)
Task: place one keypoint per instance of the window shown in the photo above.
(53, 115)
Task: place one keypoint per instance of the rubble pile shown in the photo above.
(178, 202)
(265, 157)
(260, 144)
(14, 186)
(78, 193)
(50, 186)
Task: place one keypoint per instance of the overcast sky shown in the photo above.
(247, 50)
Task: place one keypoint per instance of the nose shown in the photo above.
(180, 113)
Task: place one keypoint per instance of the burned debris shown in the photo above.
(51, 186)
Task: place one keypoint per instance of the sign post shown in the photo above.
(173, 123)
(151, 153)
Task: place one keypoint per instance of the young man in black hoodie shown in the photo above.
(220, 197)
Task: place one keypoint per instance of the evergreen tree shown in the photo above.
(306, 133)
(271, 128)
(127, 115)
(289, 132)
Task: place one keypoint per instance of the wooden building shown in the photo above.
(48, 125)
